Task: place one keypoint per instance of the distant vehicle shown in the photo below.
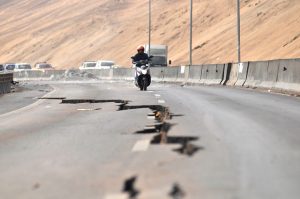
(105, 64)
(88, 65)
(160, 55)
(1, 68)
(101, 64)
(43, 66)
(9, 67)
(142, 73)
(22, 67)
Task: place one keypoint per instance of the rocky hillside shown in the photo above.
(67, 32)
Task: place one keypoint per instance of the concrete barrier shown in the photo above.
(272, 77)
(226, 74)
(182, 74)
(233, 77)
(262, 74)
(289, 75)
(171, 74)
(212, 74)
(123, 73)
(39, 74)
(157, 74)
(242, 74)
(204, 74)
(194, 74)
(105, 74)
(280, 74)
(257, 73)
(5, 82)
(24, 75)
(216, 75)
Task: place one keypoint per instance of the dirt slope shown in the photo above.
(67, 32)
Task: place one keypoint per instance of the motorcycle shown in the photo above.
(142, 73)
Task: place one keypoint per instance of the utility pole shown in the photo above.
(149, 41)
(238, 31)
(191, 33)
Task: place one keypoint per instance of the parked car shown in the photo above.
(43, 66)
(9, 67)
(1, 67)
(88, 65)
(101, 64)
(105, 64)
(22, 67)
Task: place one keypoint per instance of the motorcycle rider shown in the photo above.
(141, 55)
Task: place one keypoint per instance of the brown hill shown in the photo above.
(67, 32)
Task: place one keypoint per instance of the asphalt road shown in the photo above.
(246, 144)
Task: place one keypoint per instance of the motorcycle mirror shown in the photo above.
(151, 56)
(170, 62)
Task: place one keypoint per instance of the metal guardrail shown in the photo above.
(5, 82)
(6, 77)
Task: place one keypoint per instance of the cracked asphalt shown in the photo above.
(248, 143)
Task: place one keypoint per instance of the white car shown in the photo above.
(101, 64)
(105, 64)
(88, 65)
(22, 67)
(43, 66)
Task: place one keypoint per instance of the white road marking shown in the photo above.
(151, 117)
(117, 196)
(157, 95)
(141, 145)
(84, 109)
(47, 106)
(161, 101)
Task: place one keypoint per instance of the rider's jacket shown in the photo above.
(139, 57)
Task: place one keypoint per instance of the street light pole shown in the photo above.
(238, 31)
(191, 33)
(149, 41)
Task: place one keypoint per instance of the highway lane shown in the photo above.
(248, 144)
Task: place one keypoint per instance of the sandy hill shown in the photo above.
(67, 32)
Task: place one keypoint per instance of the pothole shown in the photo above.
(129, 187)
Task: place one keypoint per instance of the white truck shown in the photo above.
(159, 53)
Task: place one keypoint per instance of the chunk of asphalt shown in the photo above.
(129, 187)
(188, 149)
(177, 192)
